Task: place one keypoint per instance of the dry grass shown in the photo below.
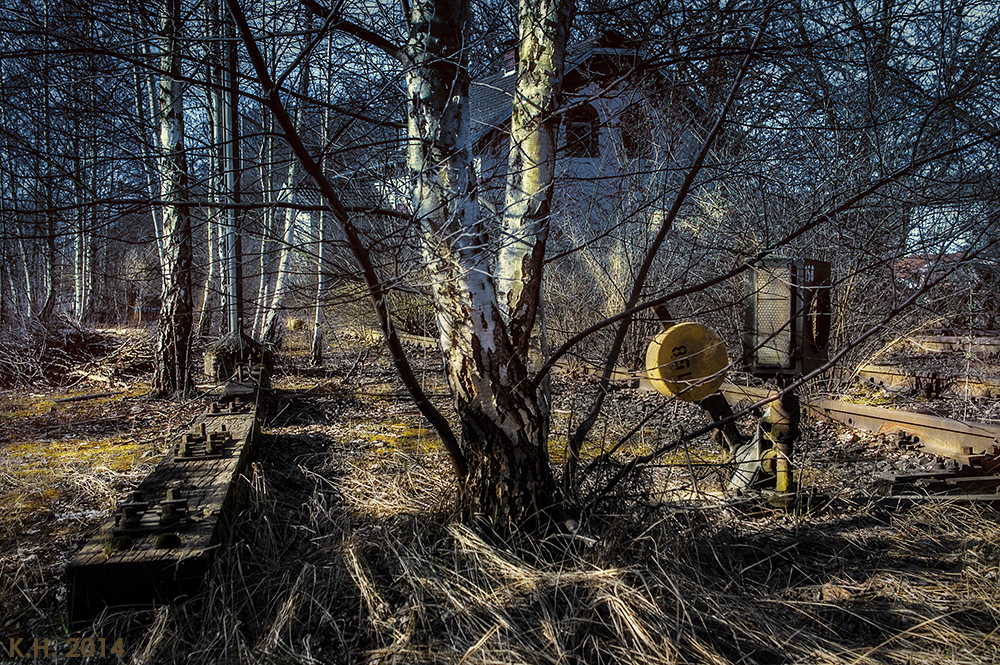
(352, 551)
(66, 458)
(62, 352)
(355, 561)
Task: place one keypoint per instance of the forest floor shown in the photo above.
(352, 549)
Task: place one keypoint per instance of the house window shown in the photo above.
(637, 132)
(583, 132)
(496, 143)
(510, 62)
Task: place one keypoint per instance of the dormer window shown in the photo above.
(510, 62)
(583, 132)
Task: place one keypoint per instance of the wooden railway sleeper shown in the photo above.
(130, 511)
(202, 444)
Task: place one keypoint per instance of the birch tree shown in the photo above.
(217, 110)
(289, 194)
(319, 231)
(173, 375)
(504, 423)
(502, 455)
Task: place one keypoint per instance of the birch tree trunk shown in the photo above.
(29, 290)
(265, 159)
(216, 105)
(504, 427)
(320, 227)
(8, 287)
(81, 242)
(210, 297)
(319, 231)
(172, 375)
(502, 458)
(543, 26)
(230, 245)
(283, 278)
(145, 105)
(10, 202)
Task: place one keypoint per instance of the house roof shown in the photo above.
(490, 98)
(915, 267)
(490, 104)
(917, 264)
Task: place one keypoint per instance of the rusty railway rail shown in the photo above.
(945, 437)
(928, 382)
(938, 382)
(962, 441)
(979, 344)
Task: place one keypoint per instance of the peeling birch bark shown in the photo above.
(504, 427)
(543, 29)
(172, 375)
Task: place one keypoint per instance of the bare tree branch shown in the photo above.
(640, 280)
(376, 293)
(362, 33)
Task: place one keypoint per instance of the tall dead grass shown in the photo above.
(366, 562)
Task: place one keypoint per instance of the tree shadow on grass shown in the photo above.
(352, 551)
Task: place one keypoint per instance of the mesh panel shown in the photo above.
(774, 332)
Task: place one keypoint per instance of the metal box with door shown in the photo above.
(787, 317)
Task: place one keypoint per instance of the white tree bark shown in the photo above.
(81, 246)
(29, 306)
(268, 216)
(210, 294)
(172, 374)
(319, 228)
(504, 425)
(319, 234)
(542, 31)
(218, 189)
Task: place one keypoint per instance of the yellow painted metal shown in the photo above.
(769, 462)
(687, 361)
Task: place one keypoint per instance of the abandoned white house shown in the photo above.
(627, 134)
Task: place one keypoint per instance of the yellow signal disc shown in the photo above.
(687, 361)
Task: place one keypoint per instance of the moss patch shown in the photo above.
(37, 475)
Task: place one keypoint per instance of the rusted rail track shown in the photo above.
(929, 383)
(939, 381)
(977, 344)
(946, 437)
